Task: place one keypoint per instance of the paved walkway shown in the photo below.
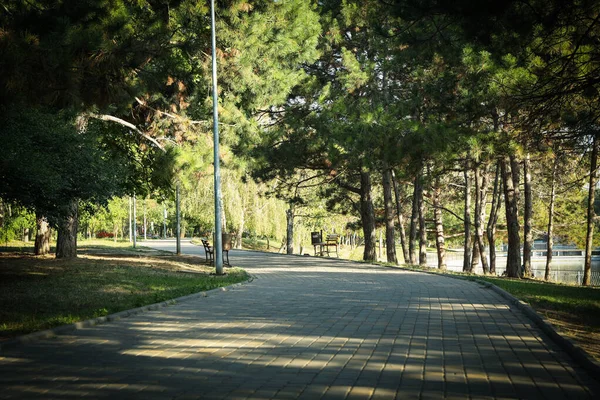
(307, 328)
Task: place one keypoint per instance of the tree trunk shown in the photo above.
(42, 236)
(474, 253)
(414, 220)
(367, 216)
(439, 225)
(589, 240)
(380, 246)
(527, 218)
(513, 260)
(25, 236)
(66, 244)
(422, 231)
(400, 219)
(289, 214)
(390, 232)
(476, 222)
(283, 246)
(493, 220)
(467, 267)
(481, 180)
(550, 244)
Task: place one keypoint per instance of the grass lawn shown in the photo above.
(42, 292)
(573, 310)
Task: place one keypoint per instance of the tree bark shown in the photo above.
(42, 236)
(380, 246)
(367, 216)
(289, 214)
(467, 266)
(481, 191)
(439, 225)
(414, 220)
(422, 231)
(400, 219)
(527, 218)
(589, 240)
(475, 252)
(513, 260)
(550, 231)
(66, 244)
(390, 232)
(493, 220)
(476, 221)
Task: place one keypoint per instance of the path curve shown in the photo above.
(309, 328)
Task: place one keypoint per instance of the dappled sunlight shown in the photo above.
(329, 330)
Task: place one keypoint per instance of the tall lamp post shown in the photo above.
(134, 223)
(218, 238)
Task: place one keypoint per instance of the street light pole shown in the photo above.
(178, 221)
(134, 223)
(130, 228)
(218, 248)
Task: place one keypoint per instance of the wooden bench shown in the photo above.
(332, 240)
(209, 252)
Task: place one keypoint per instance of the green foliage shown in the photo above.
(14, 222)
(47, 161)
(74, 53)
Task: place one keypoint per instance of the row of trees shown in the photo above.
(459, 118)
(417, 96)
(109, 98)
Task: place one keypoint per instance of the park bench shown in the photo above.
(332, 240)
(209, 252)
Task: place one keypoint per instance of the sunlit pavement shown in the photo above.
(308, 328)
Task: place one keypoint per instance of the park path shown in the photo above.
(309, 328)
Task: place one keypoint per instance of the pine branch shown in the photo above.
(129, 125)
(445, 209)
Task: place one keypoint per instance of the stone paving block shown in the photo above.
(356, 330)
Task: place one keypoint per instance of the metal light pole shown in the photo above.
(134, 223)
(218, 238)
(164, 221)
(130, 239)
(178, 221)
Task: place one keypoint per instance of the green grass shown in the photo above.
(41, 292)
(261, 244)
(575, 299)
